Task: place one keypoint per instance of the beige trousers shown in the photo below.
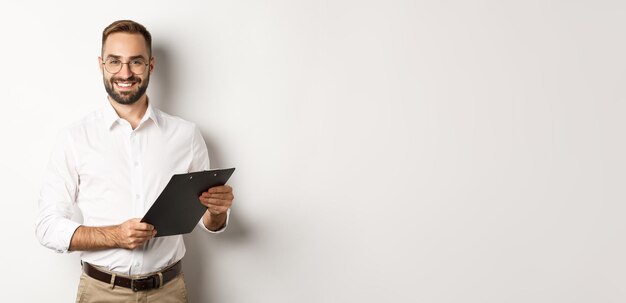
(91, 290)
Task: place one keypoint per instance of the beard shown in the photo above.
(127, 98)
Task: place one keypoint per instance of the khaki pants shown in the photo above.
(91, 290)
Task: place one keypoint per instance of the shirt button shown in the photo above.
(136, 163)
(137, 196)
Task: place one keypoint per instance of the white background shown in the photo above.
(386, 151)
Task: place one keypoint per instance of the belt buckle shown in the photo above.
(133, 283)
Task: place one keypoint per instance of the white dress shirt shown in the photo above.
(114, 173)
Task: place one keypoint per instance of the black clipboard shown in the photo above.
(177, 210)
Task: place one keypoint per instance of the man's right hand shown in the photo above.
(133, 233)
(128, 235)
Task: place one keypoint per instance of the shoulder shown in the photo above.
(86, 124)
(78, 131)
(173, 123)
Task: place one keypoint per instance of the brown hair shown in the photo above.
(128, 26)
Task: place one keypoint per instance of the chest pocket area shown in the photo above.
(99, 172)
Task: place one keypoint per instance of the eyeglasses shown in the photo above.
(114, 66)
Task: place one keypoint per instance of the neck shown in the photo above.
(133, 113)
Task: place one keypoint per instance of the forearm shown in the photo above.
(214, 222)
(95, 238)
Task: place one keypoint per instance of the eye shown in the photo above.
(137, 62)
(113, 61)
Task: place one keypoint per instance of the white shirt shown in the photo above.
(114, 173)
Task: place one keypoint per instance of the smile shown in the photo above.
(122, 84)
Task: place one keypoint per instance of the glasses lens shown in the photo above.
(113, 65)
(137, 66)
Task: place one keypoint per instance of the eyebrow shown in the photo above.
(130, 58)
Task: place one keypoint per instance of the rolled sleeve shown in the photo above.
(54, 228)
(201, 224)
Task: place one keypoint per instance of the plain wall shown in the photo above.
(386, 151)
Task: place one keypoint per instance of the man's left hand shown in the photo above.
(218, 199)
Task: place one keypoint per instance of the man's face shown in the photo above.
(125, 86)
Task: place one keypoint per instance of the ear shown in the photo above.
(100, 64)
(152, 61)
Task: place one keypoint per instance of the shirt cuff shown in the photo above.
(66, 232)
(219, 230)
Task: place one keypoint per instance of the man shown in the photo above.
(112, 165)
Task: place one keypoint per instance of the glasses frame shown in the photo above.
(122, 65)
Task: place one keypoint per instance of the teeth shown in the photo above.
(124, 84)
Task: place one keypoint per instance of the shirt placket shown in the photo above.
(137, 192)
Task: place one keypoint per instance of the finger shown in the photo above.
(143, 227)
(215, 206)
(142, 234)
(213, 199)
(136, 242)
(220, 189)
(219, 202)
(204, 201)
(227, 196)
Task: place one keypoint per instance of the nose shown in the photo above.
(125, 71)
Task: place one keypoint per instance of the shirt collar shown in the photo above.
(111, 117)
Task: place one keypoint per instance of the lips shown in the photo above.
(125, 84)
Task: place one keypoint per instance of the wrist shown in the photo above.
(115, 232)
(214, 221)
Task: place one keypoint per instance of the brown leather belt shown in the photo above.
(137, 284)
